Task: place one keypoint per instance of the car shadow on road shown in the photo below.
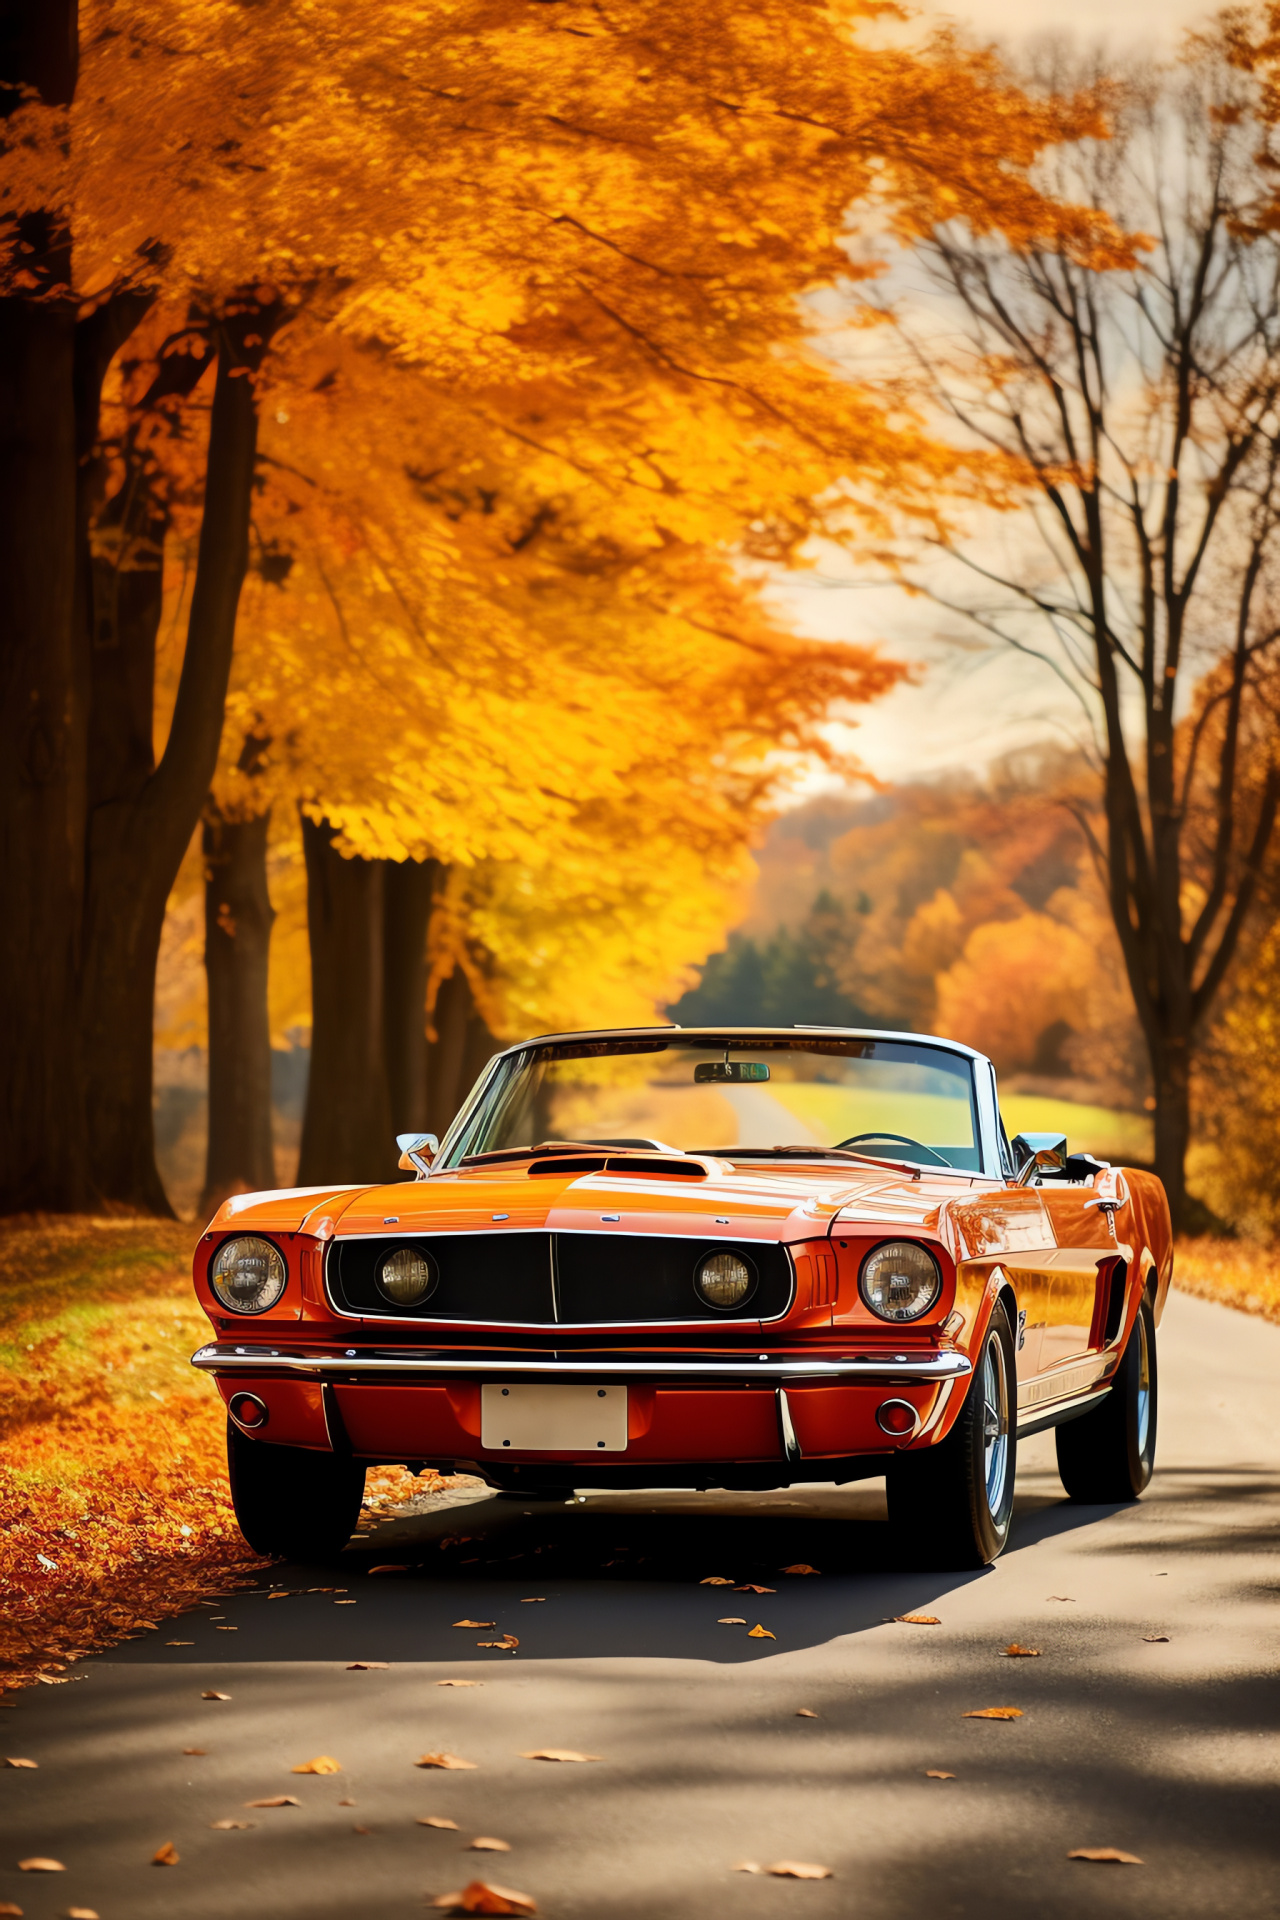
(657, 1574)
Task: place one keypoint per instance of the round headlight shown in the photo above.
(900, 1280)
(406, 1276)
(723, 1279)
(248, 1274)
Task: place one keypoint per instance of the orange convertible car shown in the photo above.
(740, 1257)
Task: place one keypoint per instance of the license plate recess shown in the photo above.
(538, 1417)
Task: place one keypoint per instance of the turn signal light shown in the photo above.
(897, 1417)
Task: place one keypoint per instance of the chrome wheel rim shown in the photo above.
(995, 1423)
(1144, 1384)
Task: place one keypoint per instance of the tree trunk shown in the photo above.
(461, 1045)
(408, 890)
(346, 1131)
(136, 843)
(43, 679)
(1171, 1073)
(238, 920)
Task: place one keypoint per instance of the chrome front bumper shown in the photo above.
(720, 1370)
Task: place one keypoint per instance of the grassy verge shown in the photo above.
(1237, 1272)
(114, 1505)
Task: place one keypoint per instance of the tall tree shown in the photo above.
(139, 833)
(1137, 407)
(43, 665)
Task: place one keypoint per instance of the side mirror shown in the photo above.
(1039, 1153)
(417, 1151)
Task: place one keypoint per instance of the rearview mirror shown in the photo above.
(417, 1151)
(1039, 1153)
(729, 1072)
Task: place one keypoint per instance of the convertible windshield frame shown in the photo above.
(464, 1137)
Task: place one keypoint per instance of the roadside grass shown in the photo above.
(1239, 1273)
(114, 1504)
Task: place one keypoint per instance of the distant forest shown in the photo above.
(783, 980)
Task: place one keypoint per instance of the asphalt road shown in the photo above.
(1165, 1748)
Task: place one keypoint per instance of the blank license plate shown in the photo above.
(547, 1419)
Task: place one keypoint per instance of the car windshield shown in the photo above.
(892, 1099)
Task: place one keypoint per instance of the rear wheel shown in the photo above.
(1108, 1455)
(951, 1505)
(290, 1501)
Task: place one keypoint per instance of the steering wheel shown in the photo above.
(902, 1139)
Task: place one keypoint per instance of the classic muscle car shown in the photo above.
(732, 1257)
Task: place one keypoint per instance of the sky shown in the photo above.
(970, 707)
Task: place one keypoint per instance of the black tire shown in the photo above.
(951, 1505)
(290, 1501)
(1108, 1455)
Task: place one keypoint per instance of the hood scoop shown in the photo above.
(658, 1166)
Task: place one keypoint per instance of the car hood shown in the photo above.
(798, 1204)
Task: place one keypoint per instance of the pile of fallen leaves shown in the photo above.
(114, 1505)
(1240, 1273)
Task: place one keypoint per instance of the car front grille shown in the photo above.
(556, 1279)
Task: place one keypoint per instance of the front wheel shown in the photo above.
(951, 1505)
(1108, 1455)
(291, 1502)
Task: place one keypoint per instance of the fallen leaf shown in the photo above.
(438, 1820)
(507, 1644)
(74, 1913)
(1014, 1652)
(179, 1643)
(559, 1753)
(751, 1589)
(994, 1713)
(284, 1596)
(275, 1800)
(482, 1897)
(348, 1803)
(1154, 1638)
(166, 1856)
(40, 1866)
(324, 1763)
(368, 1666)
(485, 1845)
(917, 1619)
(345, 1603)
(449, 1761)
(786, 1869)
(475, 1623)
(459, 1683)
(732, 1620)
(231, 1826)
(22, 1763)
(193, 1751)
(936, 1773)
(8, 1909)
(805, 1713)
(534, 1600)
(223, 1630)
(1111, 1854)
(761, 1633)
(387, 1569)
(1062, 1596)
(362, 1829)
(801, 1566)
(211, 1693)
(715, 1580)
